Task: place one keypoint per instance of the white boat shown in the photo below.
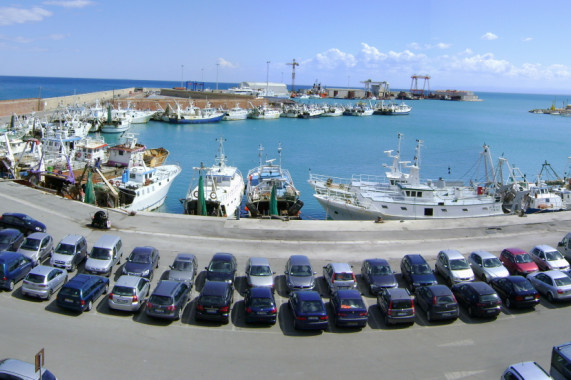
(310, 112)
(222, 189)
(401, 195)
(118, 126)
(120, 155)
(264, 112)
(332, 111)
(195, 115)
(359, 109)
(268, 183)
(235, 113)
(393, 109)
(91, 150)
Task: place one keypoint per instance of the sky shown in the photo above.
(484, 45)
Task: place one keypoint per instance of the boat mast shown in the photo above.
(221, 157)
(260, 153)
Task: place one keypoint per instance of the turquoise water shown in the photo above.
(453, 135)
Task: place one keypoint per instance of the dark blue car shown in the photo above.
(13, 268)
(222, 267)
(416, 271)
(10, 239)
(142, 262)
(515, 291)
(260, 305)
(21, 222)
(308, 310)
(349, 308)
(377, 274)
(79, 293)
(214, 301)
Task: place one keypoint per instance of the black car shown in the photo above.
(21, 222)
(260, 305)
(515, 291)
(396, 305)
(478, 297)
(142, 262)
(214, 301)
(222, 267)
(349, 309)
(377, 274)
(416, 271)
(10, 239)
(438, 302)
(168, 300)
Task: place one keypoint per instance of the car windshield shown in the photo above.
(459, 264)
(522, 286)
(35, 278)
(401, 304)
(381, 269)
(563, 281)
(182, 265)
(260, 270)
(140, 258)
(352, 304)
(69, 292)
(212, 300)
(261, 302)
(344, 276)
(65, 249)
(100, 254)
(444, 299)
(5, 238)
(489, 297)
(31, 244)
(311, 306)
(123, 290)
(421, 269)
(160, 300)
(492, 263)
(553, 255)
(220, 267)
(1, 271)
(523, 258)
(301, 270)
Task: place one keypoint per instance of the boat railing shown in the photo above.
(341, 195)
(328, 180)
(368, 178)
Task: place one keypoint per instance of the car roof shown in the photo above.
(515, 279)
(8, 255)
(262, 292)
(10, 232)
(165, 287)
(545, 248)
(81, 279)
(377, 261)
(529, 370)
(259, 261)
(564, 349)
(71, 239)
(298, 259)
(17, 214)
(415, 258)
(184, 257)
(555, 273)
(484, 254)
(452, 253)
(19, 367)
(143, 250)
(43, 270)
(223, 256)
(215, 288)
(397, 293)
(480, 287)
(348, 293)
(341, 268)
(128, 281)
(308, 295)
(37, 235)
(515, 251)
(440, 290)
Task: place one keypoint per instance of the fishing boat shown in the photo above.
(195, 115)
(393, 109)
(264, 112)
(400, 195)
(359, 109)
(115, 123)
(270, 191)
(235, 113)
(332, 111)
(219, 190)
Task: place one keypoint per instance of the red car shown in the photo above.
(518, 261)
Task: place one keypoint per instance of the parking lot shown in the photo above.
(106, 343)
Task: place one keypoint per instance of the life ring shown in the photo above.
(78, 155)
(213, 195)
(117, 183)
(89, 156)
(195, 194)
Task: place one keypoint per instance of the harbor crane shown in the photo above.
(414, 90)
(293, 65)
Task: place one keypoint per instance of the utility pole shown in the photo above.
(293, 65)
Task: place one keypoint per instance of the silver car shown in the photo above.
(453, 267)
(259, 273)
(37, 246)
(43, 281)
(487, 266)
(129, 293)
(299, 273)
(553, 284)
(339, 276)
(183, 268)
(547, 258)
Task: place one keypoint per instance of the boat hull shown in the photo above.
(174, 120)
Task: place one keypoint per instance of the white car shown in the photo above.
(453, 267)
(553, 284)
(259, 273)
(129, 293)
(37, 246)
(487, 266)
(547, 258)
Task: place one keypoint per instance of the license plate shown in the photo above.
(122, 300)
(528, 298)
(491, 311)
(351, 323)
(159, 311)
(211, 311)
(68, 300)
(446, 314)
(312, 318)
(402, 314)
(262, 312)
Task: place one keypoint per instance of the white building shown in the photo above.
(273, 89)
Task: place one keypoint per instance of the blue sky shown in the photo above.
(503, 46)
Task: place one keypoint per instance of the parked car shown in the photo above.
(79, 293)
(214, 301)
(69, 252)
(561, 362)
(13, 268)
(142, 262)
(547, 258)
(438, 302)
(525, 371)
(21, 222)
(416, 271)
(43, 281)
(18, 369)
(564, 246)
(518, 261)
(377, 274)
(168, 300)
(37, 246)
(553, 284)
(222, 267)
(299, 274)
(396, 305)
(129, 293)
(260, 305)
(479, 298)
(515, 291)
(486, 266)
(349, 309)
(105, 254)
(453, 267)
(308, 310)
(11, 239)
(259, 273)
(339, 276)
(183, 268)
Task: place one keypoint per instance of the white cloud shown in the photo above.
(439, 45)
(527, 39)
(70, 3)
(333, 58)
(17, 39)
(226, 64)
(371, 53)
(489, 36)
(11, 15)
(482, 63)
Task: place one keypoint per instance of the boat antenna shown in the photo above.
(280, 153)
(221, 158)
(417, 155)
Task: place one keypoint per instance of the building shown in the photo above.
(467, 96)
(273, 88)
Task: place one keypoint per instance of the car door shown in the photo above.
(405, 269)
(541, 282)
(502, 287)
(327, 275)
(477, 267)
(421, 297)
(293, 304)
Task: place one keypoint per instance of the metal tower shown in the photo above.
(414, 90)
(293, 65)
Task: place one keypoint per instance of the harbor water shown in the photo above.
(453, 134)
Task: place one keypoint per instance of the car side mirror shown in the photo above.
(560, 244)
(206, 268)
(286, 272)
(273, 272)
(314, 273)
(325, 266)
(170, 266)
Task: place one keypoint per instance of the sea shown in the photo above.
(451, 135)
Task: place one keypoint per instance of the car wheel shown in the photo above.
(177, 316)
(470, 311)
(486, 279)
(508, 303)
(73, 267)
(89, 306)
(151, 275)
(550, 297)
(50, 294)
(106, 290)
(429, 316)
(11, 285)
(387, 321)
